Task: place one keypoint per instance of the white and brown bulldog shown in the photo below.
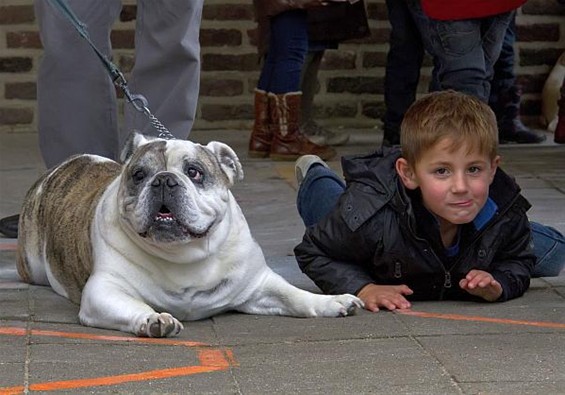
(158, 240)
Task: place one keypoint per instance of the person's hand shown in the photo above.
(390, 297)
(481, 284)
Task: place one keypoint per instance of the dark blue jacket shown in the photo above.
(380, 233)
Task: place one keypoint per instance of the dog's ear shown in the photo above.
(134, 140)
(229, 162)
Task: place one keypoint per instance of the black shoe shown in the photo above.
(517, 132)
(9, 226)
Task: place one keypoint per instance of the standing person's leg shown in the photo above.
(167, 65)
(465, 52)
(287, 51)
(505, 95)
(289, 36)
(76, 98)
(309, 85)
(319, 189)
(404, 60)
(549, 249)
(504, 77)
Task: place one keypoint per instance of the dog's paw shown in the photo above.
(160, 325)
(343, 305)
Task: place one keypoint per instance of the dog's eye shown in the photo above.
(194, 174)
(138, 176)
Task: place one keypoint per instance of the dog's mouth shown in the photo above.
(164, 215)
(166, 222)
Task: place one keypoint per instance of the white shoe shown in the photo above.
(304, 163)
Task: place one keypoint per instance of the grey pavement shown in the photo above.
(517, 347)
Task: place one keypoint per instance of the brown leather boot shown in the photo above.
(261, 136)
(289, 143)
(559, 136)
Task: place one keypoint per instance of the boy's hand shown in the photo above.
(390, 297)
(481, 284)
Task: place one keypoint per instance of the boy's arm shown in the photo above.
(333, 256)
(514, 261)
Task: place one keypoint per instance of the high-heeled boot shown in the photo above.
(289, 143)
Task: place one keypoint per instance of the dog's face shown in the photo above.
(173, 191)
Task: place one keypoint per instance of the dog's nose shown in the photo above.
(164, 179)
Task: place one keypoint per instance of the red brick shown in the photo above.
(543, 7)
(228, 12)
(542, 56)
(356, 85)
(374, 59)
(124, 39)
(538, 32)
(226, 112)
(217, 62)
(23, 39)
(16, 116)
(21, 90)
(373, 109)
(220, 87)
(129, 13)
(15, 64)
(15, 14)
(220, 37)
(338, 60)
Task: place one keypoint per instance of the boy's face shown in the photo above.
(454, 185)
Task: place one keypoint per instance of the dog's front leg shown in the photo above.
(276, 296)
(105, 304)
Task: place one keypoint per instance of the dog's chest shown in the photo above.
(194, 302)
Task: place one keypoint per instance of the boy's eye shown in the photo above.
(441, 171)
(474, 170)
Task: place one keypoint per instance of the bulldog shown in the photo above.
(157, 240)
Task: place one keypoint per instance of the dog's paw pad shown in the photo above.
(161, 325)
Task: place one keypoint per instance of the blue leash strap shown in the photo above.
(139, 102)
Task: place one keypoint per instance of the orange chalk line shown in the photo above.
(8, 246)
(458, 317)
(210, 360)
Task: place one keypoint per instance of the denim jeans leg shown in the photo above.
(549, 249)
(504, 77)
(318, 194)
(466, 50)
(288, 46)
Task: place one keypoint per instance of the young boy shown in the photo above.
(438, 221)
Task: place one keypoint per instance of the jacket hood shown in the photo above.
(376, 170)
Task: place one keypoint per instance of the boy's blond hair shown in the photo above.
(461, 118)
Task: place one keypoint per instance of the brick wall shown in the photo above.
(351, 82)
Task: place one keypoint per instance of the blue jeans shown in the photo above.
(321, 188)
(288, 45)
(465, 52)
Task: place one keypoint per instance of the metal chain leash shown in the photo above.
(139, 102)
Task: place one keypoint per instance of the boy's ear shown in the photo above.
(406, 173)
(493, 166)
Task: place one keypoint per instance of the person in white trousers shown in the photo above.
(77, 109)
